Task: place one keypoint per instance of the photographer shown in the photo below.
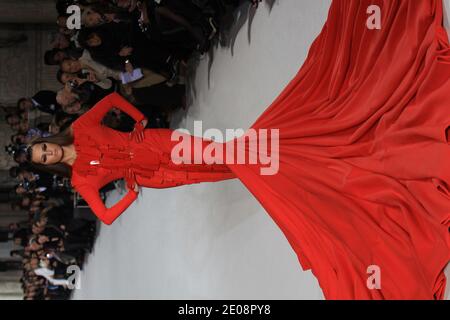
(82, 76)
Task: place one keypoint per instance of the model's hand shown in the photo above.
(135, 187)
(130, 178)
(139, 136)
(138, 133)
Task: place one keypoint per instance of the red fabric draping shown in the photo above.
(364, 157)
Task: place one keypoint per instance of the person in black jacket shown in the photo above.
(78, 98)
(44, 100)
(178, 22)
(55, 56)
(112, 44)
(4, 235)
(40, 179)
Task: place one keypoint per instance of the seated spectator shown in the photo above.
(98, 14)
(61, 121)
(44, 100)
(27, 137)
(55, 56)
(61, 41)
(85, 62)
(16, 121)
(113, 44)
(84, 75)
(20, 156)
(178, 23)
(78, 98)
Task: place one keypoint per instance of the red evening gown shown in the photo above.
(364, 153)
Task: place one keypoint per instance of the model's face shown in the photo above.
(47, 153)
(70, 66)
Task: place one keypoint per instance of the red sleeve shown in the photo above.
(107, 215)
(96, 113)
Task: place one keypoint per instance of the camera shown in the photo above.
(83, 74)
(73, 84)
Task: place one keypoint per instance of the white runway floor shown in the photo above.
(214, 241)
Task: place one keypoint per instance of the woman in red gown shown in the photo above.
(104, 155)
(362, 193)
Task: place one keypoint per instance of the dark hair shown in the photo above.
(13, 252)
(23, 206)
(64, 60)
(14, 138)
(64, 138)
(85, 35)
(59, 75)
(49, 57)
(63, 15)
(15, 171)
(17, 155)
(10, 115)
(104, 8)
(61, 6)
(20, 101)
(63, 119)
(15, 205)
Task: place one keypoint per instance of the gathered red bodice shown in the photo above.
(105, 155)
(114, 157)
